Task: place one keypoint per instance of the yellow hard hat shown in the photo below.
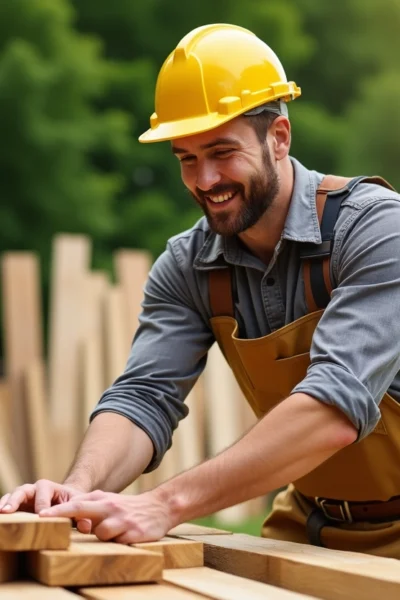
(215, 73)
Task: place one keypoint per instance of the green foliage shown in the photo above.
(50, 78)
(373, 143)
(77, 86)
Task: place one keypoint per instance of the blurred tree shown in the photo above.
(138, 37)
(50, 77)
(350, 85)
(373, 122)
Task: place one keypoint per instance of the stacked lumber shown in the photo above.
(42, 554)
(44, 558)
(46, 400)
(319, 572)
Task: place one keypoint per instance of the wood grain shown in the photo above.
(70, 264)
(92, 350)
(8, 566)
(177, 555)
(10, 476)
(152, 591)
(221, 586)
(224, 422)
(327, 574)
(132, 268)
(26, 531)
(37, 419)
(30, 590)
(95, 564)
(192, 529)
(23, 333)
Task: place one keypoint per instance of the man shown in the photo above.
(255, 275)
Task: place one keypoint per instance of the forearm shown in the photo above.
(289, 442)
(114, 452)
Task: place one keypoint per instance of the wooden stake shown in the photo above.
(223, 418)
(93, 348)
(37, 420)
(22, 324)
(132, 268)
(71, 255)
(116, 349)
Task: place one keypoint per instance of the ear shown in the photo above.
(279, 135)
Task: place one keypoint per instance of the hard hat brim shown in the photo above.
(176, 129)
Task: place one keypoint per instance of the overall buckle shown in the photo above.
(324, 504)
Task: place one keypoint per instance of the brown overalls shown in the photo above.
(361, 475)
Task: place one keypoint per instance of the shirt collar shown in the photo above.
(301, 225)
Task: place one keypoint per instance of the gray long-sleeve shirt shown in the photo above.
(355, 354)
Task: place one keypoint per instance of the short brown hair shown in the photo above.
(261, 123)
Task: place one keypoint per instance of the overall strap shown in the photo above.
(220, 292)
(317, 257)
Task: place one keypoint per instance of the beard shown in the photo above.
(263, 188)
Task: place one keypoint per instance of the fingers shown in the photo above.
(21, 495)
(108, 529)
(79, 509)
(44, 494)
(84, 525)
(4, 501)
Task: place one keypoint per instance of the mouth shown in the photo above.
(221, 200)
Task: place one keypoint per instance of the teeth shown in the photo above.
(221, 197)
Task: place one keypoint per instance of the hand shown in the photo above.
(121, 518)
(34, 497)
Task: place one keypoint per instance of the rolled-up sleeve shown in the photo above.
(355, 351)
(167, 356)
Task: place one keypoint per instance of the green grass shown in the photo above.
(251, 526)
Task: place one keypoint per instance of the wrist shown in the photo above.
(79, 484)
(174, 501)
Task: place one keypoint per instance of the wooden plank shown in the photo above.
(189, 529)
(327, 574)
(177, 553)
(190, 437)
(71, 255)
(6, 409)
(221, 586)
(223, 407)
(95, 564)
(132, 268)
(23, 332)
(10, 476)
(8, 566)
(30, 590)
(257, 506)
(115, 323)
(27, 531)
(93, 347)
(78, 537)
(150, 591)
(37, 420)
(116, 348)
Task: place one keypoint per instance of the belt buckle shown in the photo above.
(343, 506)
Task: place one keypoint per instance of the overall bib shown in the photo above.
(361, 479)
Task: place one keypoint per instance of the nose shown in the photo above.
(207, 175)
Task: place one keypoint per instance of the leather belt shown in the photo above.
(351, 512)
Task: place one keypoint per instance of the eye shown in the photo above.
(187, 159)
(223, 153)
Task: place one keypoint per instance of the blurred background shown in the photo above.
(77, 83)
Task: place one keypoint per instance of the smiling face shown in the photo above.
(229, 174)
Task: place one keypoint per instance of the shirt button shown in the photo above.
(270, 281)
